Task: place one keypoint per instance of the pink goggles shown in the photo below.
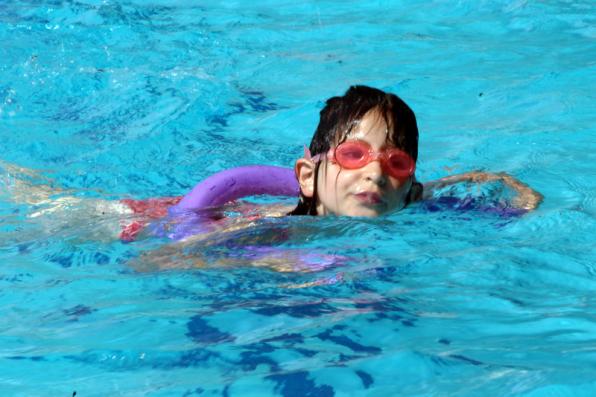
(356, 154)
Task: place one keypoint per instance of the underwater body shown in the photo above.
(131, 100)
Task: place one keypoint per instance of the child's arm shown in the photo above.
(527, 198)
(173, 256)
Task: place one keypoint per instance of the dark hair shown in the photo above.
(341, 114)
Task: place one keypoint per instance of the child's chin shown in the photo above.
(366, 212)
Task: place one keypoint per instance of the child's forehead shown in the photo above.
(373, 125)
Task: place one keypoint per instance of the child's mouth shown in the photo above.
(369, 198)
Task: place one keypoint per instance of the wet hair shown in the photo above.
(339, 117)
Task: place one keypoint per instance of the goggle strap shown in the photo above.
(308, 156)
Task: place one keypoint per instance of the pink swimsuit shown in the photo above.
(148, 209)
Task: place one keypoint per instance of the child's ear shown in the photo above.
(305, 173)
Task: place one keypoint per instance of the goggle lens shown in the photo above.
(399, 164)
(352, 155)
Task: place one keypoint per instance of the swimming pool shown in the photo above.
(143, 99)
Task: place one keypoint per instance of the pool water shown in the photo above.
(137, 99)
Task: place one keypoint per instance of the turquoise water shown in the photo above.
(144, 99)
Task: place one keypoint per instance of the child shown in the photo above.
(361, 162)
(340, 173)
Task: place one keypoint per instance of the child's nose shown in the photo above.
(374, 172)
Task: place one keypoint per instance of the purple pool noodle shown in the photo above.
(239, 182)
(226, 186)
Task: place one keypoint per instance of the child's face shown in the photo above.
(366, 191)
